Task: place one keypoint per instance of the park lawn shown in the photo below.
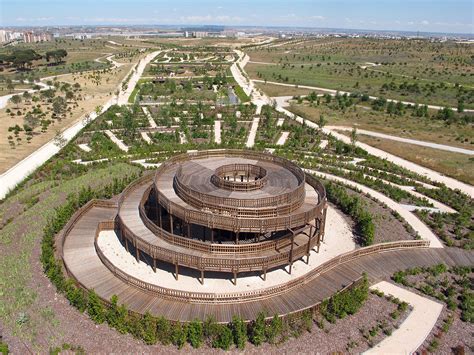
(405, 126)
(95, 95)
(278, 90)
(349, 78)
(456, 165)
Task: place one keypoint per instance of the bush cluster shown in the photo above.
(345, 303)
(352, 205)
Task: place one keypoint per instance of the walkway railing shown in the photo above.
(249, 295)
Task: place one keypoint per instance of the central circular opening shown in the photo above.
(239, 177)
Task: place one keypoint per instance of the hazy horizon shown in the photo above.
(384, 15)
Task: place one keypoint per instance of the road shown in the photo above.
(21, 170)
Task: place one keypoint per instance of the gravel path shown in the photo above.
(447, 148)
(253, 133)
(217, 131)
(416, 327)
(417, 225)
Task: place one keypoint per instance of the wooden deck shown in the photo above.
(83, 264)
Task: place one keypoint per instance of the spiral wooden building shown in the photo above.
(225, 211)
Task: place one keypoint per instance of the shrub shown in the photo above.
(239, 332)
(257, 330)
(222, 338)
(76, 296)
(195, 334)
(274, 329)
(467, 306)
(347, 302)
(95, 308)
(117, 315)
(179, 334)
(148, 323)
(163, 330)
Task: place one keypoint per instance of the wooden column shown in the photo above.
(237, 238)
(204, 233)
(235, 278)
(310, 239)
(160, 218)
(137, 253)
(126, 244)
(265, 274)
(212, 235)
(176, 271)
(154, 264)
(189, 230)
(171, 224)
(291, 250)
(202, 276)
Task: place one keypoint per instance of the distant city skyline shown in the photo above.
(453, 16)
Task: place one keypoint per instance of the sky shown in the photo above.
(448, 16)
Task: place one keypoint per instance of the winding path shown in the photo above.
(447, 148)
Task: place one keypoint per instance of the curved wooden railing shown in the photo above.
(256, 177)
(282, 199)
(214, 262)
(242, 223)
(257, 208)
(210, 248)
(249, 295)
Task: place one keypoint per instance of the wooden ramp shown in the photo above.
(83, 264)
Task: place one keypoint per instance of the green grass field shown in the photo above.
(419, 71)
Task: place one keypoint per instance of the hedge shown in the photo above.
(353, 206)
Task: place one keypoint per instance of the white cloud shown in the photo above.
(209, 19)
(424, 23)
(318, 17)
(34, 19)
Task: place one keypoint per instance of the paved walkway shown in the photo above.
(150, 118)
(417, 326)
(283, 138)
(117, 141)
(447, 148)
(217, 131)
(146, 137)
(253, 133)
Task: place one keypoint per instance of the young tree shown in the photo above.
(27, 97)
(354, 136)
(16, 100)
(59, 140)
(322, 121)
